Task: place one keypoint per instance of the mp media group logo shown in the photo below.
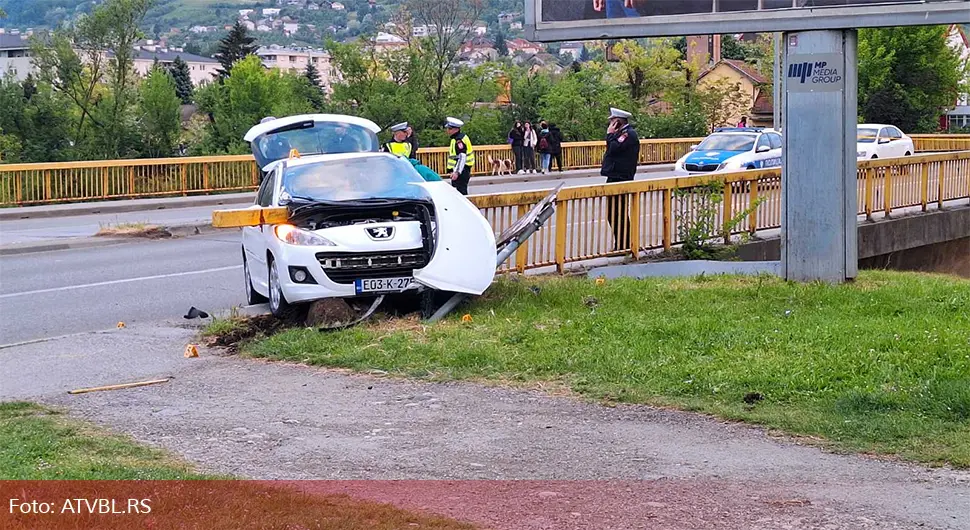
(815, 73)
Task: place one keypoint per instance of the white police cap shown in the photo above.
(617, 113)
(454, 122)
(399, 127)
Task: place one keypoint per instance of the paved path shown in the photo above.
(280, 421)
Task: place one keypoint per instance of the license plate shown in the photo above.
(383, 285)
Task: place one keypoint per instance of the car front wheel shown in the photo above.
(277, 302)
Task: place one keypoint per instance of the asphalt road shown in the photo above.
(55, 293)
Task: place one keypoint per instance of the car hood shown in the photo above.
(710, 157)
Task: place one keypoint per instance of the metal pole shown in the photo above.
(777, 80)
(819, 227)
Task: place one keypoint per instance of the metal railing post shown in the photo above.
(635, 225)
(561, 220)
(667, 219)
(728, 212)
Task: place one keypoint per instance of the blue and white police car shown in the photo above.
(733, 149)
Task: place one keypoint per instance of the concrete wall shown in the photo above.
(936, 241)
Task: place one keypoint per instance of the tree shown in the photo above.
(500, 45)
(451, 22)
(3, 14)
(235, 46)
(158, 113)
(732, 49)
(907, 76)
(579, 102)
(647, 71)
(183, 80)
(721, 101)
(312, 74)
(193, 48)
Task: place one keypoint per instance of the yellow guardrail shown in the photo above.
(27, 184)
(931, 143)
(659, 209)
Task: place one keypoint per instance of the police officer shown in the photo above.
(461, 155)
(399, 145)
(620, 165)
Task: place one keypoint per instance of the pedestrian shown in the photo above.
(515, 139)
(555, 145)
(743, 122)
(620, 165)
(461, 155)
(529, 141)
(413, 140)
(399, 144)
(543, 147)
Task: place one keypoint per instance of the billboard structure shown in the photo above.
(552, 20)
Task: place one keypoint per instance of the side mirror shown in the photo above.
(763, 149)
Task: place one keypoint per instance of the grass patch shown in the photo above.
(133, 230)
(57, 455)
(880, 365)
(38, 443)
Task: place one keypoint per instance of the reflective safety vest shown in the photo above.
(453, 152)
(399, 148)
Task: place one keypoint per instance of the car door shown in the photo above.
(884, 148)
(776, 143)
(900, 148)
(254, 237)
(762, 151)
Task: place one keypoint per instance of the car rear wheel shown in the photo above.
(277, 302)
(874, 157)
(252, 297)
(908, 153)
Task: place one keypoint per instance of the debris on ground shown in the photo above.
(120, 386)
(135, 230)
(195, 313)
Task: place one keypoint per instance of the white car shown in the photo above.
(733, 149)
(361, 223)
(882, 141)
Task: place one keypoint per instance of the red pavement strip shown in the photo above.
(442, 505)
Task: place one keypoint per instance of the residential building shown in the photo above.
(290, 28)
(246, 12)
(958, 117)
(387, 42)
(15, 56)
(271, 11)
(757, 89)
(201, 69)
(572, 48)
(420, 31)
(296, 60)
(523, 46)
(337, 6)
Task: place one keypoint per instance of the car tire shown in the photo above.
(252, 297)
(908, 153)
(874, 157)
(277, 301)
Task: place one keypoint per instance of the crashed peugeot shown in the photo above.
(359, 223)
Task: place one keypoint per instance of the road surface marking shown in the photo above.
(115, 282)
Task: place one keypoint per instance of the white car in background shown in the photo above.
(362, 224)
(882, 141)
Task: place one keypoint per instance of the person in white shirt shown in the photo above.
(529, 141)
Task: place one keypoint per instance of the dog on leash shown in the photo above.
(499, 166)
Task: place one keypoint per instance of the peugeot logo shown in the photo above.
(381, 232)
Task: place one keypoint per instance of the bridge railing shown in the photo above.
(661, 210)
(932, 143)
(28, 184)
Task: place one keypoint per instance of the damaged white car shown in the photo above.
(361, 224)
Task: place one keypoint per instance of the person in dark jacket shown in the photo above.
(555, 145)
(620, 165)
(516, 137)
(413, 140)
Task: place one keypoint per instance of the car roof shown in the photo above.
(745, 130)
(874, 125)
(315, 159)
(268, 126)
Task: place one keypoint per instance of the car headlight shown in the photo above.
(730, 165)
(296, 236)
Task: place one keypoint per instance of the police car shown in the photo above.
(733, 149)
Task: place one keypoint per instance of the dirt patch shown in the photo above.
(135, 230)
(244, 329)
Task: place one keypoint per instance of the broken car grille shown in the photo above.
(345, 267)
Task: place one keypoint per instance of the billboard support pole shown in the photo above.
(819, 227)
(777, 79)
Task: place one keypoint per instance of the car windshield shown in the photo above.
(370, 177)
(727, 142)
(323, 138)
(866, 136)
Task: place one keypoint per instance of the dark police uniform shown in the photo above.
(620, 165)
